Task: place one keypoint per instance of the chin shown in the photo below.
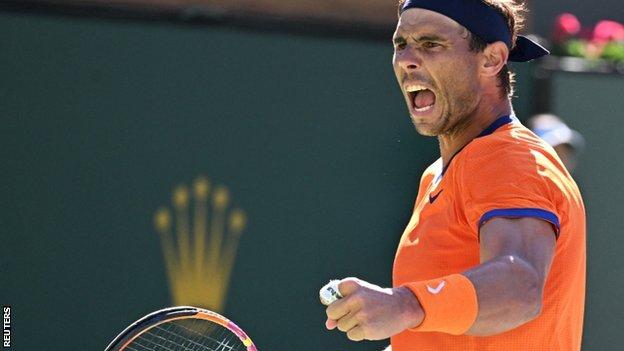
(425, 129)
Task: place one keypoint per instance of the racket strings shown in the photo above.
(187, 335)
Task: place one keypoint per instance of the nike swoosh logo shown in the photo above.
(437, 290)
(432, 198)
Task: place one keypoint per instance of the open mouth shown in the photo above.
(422, 99)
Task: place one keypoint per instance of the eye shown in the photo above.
(399, 46)
(399, 43)
(430, 45)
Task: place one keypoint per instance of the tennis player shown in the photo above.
(493, 257)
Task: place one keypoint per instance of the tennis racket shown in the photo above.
(182, 328)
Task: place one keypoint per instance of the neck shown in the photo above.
(484, 115)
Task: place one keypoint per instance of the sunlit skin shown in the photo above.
(433, 51)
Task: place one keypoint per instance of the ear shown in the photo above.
(494, 57)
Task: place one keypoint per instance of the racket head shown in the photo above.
(150, 332)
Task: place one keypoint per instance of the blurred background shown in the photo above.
(236, 155)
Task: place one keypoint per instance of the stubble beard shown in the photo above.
(435, 130)
(453, 127)
(454, 117)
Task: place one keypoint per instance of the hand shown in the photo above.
(369, 312)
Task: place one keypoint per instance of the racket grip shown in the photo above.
(330, 293)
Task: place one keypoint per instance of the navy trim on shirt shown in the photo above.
(521, 213)
(495, 125)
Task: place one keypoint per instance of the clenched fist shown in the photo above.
(369, 312)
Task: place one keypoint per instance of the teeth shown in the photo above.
(413, 88)
(423, 109)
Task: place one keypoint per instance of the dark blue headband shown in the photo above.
(484, 22)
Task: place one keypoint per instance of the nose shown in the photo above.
(407, 60)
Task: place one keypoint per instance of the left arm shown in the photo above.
(516, 255)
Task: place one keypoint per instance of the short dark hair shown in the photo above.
(514, 15)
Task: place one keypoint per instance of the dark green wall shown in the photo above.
(593, 105)
(102, 119)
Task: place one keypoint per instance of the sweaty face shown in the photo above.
(436, 71)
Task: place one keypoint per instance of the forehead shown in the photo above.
(415, 20)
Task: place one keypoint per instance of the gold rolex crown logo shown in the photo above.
(199, 253)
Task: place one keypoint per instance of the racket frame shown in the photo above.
(176, 313)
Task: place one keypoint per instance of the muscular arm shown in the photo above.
(516, 255)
